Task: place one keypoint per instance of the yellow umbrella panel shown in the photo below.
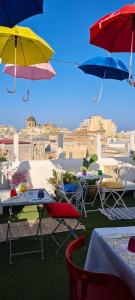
(21, 46)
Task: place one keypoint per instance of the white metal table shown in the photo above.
(92, 176)
(108, 253)
(29, 197)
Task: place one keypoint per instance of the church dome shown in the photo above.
(31, 118)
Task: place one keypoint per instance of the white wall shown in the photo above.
(68, 164)
(40, 170)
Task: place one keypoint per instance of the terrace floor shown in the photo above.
(29, 277)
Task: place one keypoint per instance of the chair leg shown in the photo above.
(70, 229)
(118, 200)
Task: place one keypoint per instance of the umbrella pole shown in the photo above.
(14, 86)
(26, 98)
(97, 99)
(131, 56)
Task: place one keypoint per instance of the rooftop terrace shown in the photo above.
(29, 277)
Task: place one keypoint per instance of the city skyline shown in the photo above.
(67, 99)
(80, 125)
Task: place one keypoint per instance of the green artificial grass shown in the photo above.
(29, 277)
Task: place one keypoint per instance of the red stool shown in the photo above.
(62, 212)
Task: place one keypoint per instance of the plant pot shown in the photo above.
(84, 173)
(91, 192)
(69, 187)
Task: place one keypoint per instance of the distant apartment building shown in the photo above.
(99, 124)
(7, 131)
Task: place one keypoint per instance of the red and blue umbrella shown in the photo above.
(14, 11)
(105, 68)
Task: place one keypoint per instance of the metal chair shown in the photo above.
(116, 189)
(63, 212)
(72, 193)
(85, 285)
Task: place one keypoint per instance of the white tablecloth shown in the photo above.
(108, 253)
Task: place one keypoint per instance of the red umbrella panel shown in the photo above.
(115, 32)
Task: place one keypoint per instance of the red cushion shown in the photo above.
(62, 210)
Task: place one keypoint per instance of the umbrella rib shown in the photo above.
(41, 52)
(117, 35)
(10, 38)
(31, 41)
(23, 51)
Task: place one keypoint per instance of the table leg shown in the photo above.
(8, 236)
(39, 229)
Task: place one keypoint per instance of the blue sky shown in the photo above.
(67, 99)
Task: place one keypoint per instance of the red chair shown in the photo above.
(86, 285)
(62, 212)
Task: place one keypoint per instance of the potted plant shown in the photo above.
(132, 156)
(87, 162)
(68, 179)
(87, 167)
(55, 180)
(3, 157)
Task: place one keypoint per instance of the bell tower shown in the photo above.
(31, 122)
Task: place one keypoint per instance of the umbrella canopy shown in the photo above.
(14, 11)
(34, 72)
(106, 68)
(21, 46)
(115, 32)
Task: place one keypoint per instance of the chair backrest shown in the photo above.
(72, 194)
(122, 174)
(79, 199)
(61, 194)
(84, 285)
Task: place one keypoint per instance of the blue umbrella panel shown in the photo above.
(105, 68)
(14, 11)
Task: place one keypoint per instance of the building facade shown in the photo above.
(98, 123)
